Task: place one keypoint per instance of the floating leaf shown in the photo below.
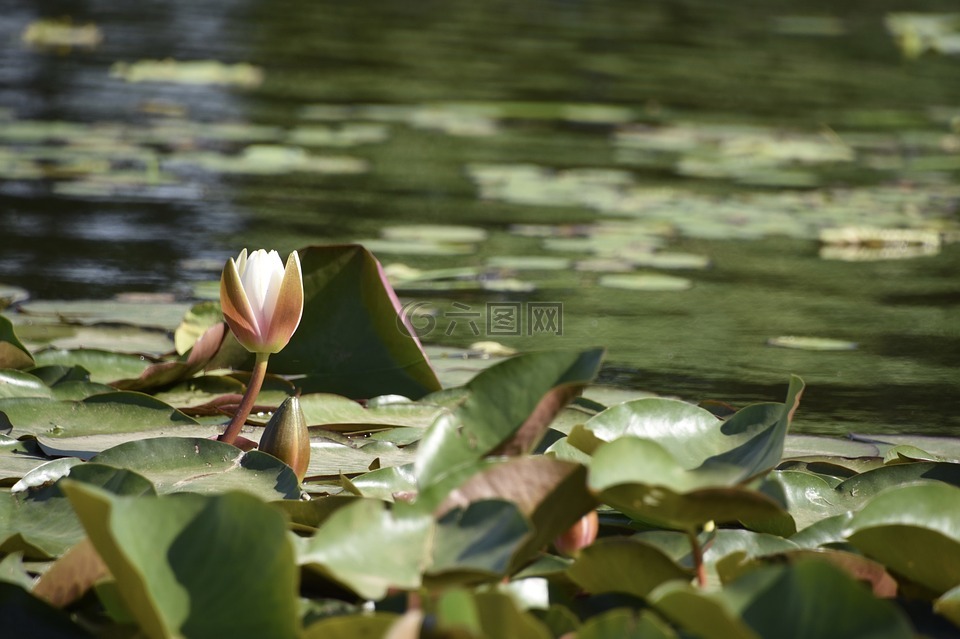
(662, 493)
(645, 282)
(547, 491)
(334, 412)
(624, 565)
(196, 321)
(807, 599)
(349, 548)
(478, 541)
(176, 557)
(362, 626)
(914, 530)
(102, 366)
(363, 349)
(13, 354)
(17, 458)
(14, 383)
(623, 623)
(181, 464)
(189, 72)
(117, 412)
(434, 233)
(812, 343)
(40, 521)
(507, 410)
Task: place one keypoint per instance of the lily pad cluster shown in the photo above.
(430, 511)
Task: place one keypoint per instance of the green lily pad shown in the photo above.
(914, 530)
(165, 315)
(174, 557)
(645, 282)
(344, 135)
(477, 542)
(13, 354)
(549, 492)
(40, 521)
(751, 440)
(362, 350)
(332, 459)
(334, 412)
(435, 233)
(507, 411)
(188, 464)
(798, 445)
(268, 159)
(103, 366)
(14, 383)
(117, 412)
(377, 624)
(624, 565)
(623, 623)
(87, 446)
(662, 493)
(948, 605)
(807, 599)
(721, 543)
(529, 262)
(189, 72)
(196, 321)
(812, 343)
(349, 548)
(18, 457)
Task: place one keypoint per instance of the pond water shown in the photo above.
(656, 176)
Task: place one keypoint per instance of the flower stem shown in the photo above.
(229, 436)
(697, 552)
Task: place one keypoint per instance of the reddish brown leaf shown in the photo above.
(70, 576)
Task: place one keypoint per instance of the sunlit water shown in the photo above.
(730, 134)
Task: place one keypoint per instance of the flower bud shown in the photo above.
(287, 437)
(262, 300)
(579, 536)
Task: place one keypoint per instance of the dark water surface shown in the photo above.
(597, 133)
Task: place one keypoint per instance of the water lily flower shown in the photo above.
(262, 300)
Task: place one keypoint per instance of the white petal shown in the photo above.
(258, 278)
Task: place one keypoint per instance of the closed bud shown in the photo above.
(579, 536)
(287, 437)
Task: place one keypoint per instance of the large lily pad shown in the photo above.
(41, 523)
(914, 530)
(662, 493)
(177, 560)
(752, 440)
(624, 565)
(352, 340)
(807, 599)
(119, 412)
(507, 411)
(349, 548)
(188, 464)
